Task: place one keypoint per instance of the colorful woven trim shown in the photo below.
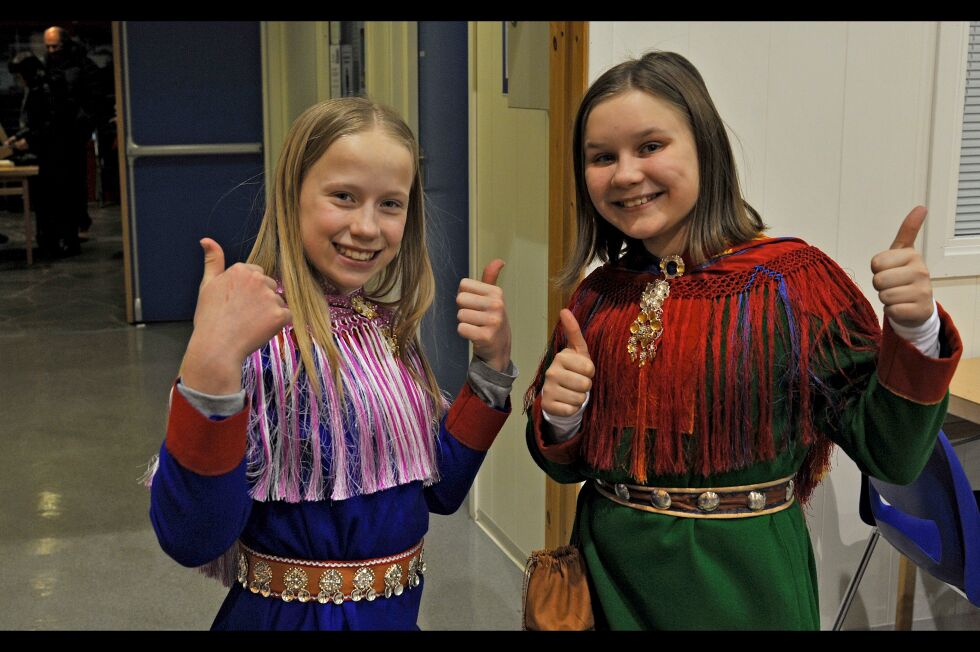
(386, 425)
(773, 309)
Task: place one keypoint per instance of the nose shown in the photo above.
(627, 172)
(364, 223)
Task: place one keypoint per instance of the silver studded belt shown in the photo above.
(329, 581)
(704, 502)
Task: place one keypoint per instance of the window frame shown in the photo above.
(945, 254)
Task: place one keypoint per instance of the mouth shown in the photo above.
(361, 255)
(637, 201)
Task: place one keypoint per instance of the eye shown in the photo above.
(391, 204)
(343, 196)
(650, 148)
(601, 159)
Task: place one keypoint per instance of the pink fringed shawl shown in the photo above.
(382, 434)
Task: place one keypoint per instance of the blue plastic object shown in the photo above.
(934, 521)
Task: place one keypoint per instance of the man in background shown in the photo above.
(73, 80)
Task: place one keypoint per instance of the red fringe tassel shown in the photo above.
(714, 373)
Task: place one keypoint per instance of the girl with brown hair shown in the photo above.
(699, 378)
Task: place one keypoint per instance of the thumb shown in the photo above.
(214, 259)
(910, 228)
(573, 333)
(492, 271)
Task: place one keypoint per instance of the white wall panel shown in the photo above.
(510, 221)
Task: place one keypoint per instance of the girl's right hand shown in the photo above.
(237, 312)
(570, 375)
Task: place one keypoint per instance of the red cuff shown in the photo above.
(564, 453)
(201, 445)
(905, 371)
(474, 423)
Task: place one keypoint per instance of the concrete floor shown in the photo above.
(83, 395)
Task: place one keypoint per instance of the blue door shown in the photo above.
(444, 138)
(193, 110)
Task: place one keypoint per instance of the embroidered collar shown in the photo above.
(639, 259)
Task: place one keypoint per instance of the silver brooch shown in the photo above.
(330, 583)
(363, 585)
(622, 491)
(708, 501)
(393, 581)
(243, 570)
(413, 573)
(660, 499)
(261, 582)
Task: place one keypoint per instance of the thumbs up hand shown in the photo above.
(237, 312)
(570, 375)
(901, 276)
(482, 317)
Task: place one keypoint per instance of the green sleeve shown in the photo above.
(887, 425)
(559, 472)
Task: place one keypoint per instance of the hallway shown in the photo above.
(84, 403)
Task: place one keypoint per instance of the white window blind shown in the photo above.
(968, 195)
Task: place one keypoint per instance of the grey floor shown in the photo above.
(83, 397)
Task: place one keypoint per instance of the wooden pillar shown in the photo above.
(568, 80)
(121, 127)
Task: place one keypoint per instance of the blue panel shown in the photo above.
(191, 83)
(180, 200)
(444, 138)
(194, 82)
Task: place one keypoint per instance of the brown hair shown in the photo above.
(720, 216)
(278, 248)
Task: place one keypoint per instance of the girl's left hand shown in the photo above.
(901, 276)
(483, 317)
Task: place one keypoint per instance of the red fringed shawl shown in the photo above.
(741, 332)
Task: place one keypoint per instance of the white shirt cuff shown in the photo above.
(562, 428)
(924, 337)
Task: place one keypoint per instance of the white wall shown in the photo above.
(509, 220)
(831, 124)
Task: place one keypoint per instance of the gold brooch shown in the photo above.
(648, 326)
(369, 311)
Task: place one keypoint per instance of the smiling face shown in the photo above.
(641, 169)
(353, 207)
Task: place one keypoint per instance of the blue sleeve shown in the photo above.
(197, 518)
(458, 466)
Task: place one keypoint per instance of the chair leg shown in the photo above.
(906, 594)
(28, 222)
(845, 605)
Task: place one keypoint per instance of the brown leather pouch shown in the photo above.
(556, 591)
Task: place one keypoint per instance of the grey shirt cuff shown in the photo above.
(492, 386)
(213, 406)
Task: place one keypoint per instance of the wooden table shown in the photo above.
(964, 391)
(19, 174)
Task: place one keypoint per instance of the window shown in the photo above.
(953, 228)
(968, 195)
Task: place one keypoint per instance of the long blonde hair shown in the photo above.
(278, 248)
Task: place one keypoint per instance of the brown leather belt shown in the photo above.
(329, 581)
(704, 502)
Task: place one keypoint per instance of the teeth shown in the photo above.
(356, 255)
(630, 203)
